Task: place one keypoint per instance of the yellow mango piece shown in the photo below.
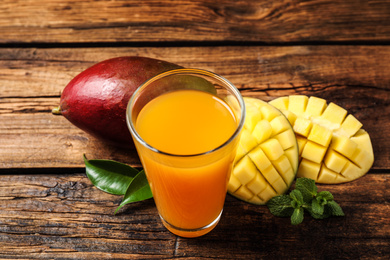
(267, 194)
(269, 112)
(267, 155)
(262, 131)
(332, 146)
(308, 169)
(272, 149)
(344, 145)
(297, 104)
(313, 152)
(280, 103)
(247, 141)
(260, 159)
(286, 139)
(302, 126)
(279, 124)
(326, 175)
(252, 118)
(350, 126)
(334, 113)
(245, 170)
(234, 183)
(320, 135)
(335, 161)
(315, 106)
(257, 185)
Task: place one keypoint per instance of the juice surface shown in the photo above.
(185, 122)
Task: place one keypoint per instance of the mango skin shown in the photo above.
(96, 99)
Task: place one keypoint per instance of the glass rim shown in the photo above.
(200, 72)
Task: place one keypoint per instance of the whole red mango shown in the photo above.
(96, 99)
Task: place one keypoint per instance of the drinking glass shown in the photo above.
(189, 190)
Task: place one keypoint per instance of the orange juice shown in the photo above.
(189, 191)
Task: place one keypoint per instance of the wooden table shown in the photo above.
(337, 50)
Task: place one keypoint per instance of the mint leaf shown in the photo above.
(297, 216)
(335, 209)
(325, 195)
(138, 190)
(280, 206)
(307, 187)
(109, 176)
(317, 207)
(297, 199)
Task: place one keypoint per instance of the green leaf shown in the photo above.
(325, 195)
(335, 209)
(138, 190)
(297, 198)
(109, 176)
(307, 187)
(317, 207)
(297, 216)
(280, 206)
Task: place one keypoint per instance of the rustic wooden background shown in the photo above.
(337, 50)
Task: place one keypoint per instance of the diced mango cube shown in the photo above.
(269, 112)
(301, 144)
(257, 185)
(262, 131)
(351, 171)
(272, 149)
(260, 159)
(315, 106)
(271, 174)
(280, 103)
(267, 193)
(320, 135)
(279, 124)
(252, 118)
(350, 126)
(282, 164)
(314, 152)
(326, 175)
(286, 139)
(291, 117)
(343, 145)
(308, 169)
(244, 192)
(302, 126)
(247, 141)
(297, 104)
(234, 183)
(334, 161)
(334, 113)
(245, 170)
(279, 186)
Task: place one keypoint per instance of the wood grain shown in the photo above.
(76, 21)
(31, 81)
(51, 215)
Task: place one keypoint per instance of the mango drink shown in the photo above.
(195, 134)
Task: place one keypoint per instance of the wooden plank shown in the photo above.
(202, 20)
(31, 81)
(44, 216)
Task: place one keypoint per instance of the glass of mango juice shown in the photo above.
(185, 124)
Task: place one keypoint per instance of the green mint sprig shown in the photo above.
(305, 197)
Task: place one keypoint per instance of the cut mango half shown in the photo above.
(333, 147)
(267, 155)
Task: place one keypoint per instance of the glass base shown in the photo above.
(191, 232)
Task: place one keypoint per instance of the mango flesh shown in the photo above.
(267, 155)
(333, 147)
(96, 99)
